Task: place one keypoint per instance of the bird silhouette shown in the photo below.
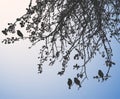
(69, 83)
(101, 74)
(77, 82)
(19, 33)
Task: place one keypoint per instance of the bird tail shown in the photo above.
(79, 86)
(69, 87)
(102, 79)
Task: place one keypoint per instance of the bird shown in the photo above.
(77, 82)
(19, 33)
(101, 74)
(69, 83)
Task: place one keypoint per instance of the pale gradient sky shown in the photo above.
(18, 70)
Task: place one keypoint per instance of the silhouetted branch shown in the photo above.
(81, 28)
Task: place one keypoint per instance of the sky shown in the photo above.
(18, 69)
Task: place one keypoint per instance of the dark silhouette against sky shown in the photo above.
(70, 30)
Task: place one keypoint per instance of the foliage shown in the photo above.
(81, 28)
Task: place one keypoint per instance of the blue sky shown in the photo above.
(18, 70)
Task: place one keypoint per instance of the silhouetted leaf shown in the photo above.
(61, 73)
(81, 75)
(4, 32)
(51, 63)
(57, 54)
(19, 33)
(76, 66)
(76, 57)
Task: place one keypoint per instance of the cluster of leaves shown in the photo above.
(79, 27)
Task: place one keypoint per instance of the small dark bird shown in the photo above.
(101, 74)
(69, 83)
(77, 82)
(19, 33)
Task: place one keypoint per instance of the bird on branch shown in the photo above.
(69, 83)
(77, 82)
(101, 74)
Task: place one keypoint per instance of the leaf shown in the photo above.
(81, 75)
(22, 24)
(4, 32)
(51, 63)
(76, 66)
(76, 57)
(18, 19)
(57, 54)
(61, 73)
(19, 33)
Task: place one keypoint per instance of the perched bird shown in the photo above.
(101, 74)
(19, 33)
(69, 83)
(77, 82)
